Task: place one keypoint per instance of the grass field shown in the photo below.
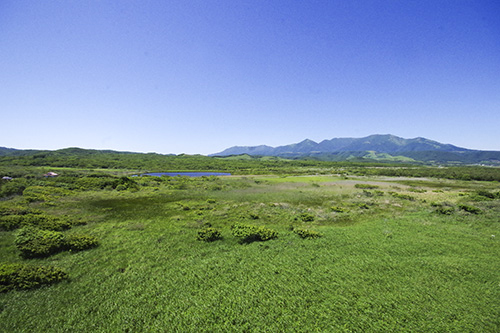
(395, 255)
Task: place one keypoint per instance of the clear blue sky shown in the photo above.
(200, 76)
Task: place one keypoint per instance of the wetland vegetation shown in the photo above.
(279, 246)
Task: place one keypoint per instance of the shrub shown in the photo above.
(10, 222)
(41, 221)
(487, 194)
(306, 217)
(469, 209)
(121, 187)
(22, 276)
(79, 242)
(250, 233)
(43, 193)
(209, 235)
(33, 242)
(12, 187)
(363, 205)
(17, 210)
(367, 193)
(126, 183)
(416, 190)
(445, 210)
(307, 234)
(46, 222)
(339, 209)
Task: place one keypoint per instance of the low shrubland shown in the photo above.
(253, 253)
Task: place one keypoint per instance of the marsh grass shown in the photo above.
(382, 264)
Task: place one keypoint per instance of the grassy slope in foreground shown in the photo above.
(385, 262)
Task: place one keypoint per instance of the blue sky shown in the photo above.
(200, 76)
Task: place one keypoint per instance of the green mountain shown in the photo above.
(373, 148)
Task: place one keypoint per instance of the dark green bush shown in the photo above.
(33, 242)
(366, 186)
(445, 210)
(416, 190)
(363, 205)
(18, 210)
(307, 234)
(339, 209)
(41, 221)
(250, 233)
(209, 235)
(46, 222)
(79, 242)
(483, 194)
(22, 276)
(306, 217)
(126, 183)
(469, 209)
(12, 187)
(10, 222)
(44, 193)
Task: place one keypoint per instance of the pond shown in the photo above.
(188, 174)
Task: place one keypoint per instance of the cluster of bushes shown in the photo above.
(469, 209)
(306, 233)
(10, 216)
(247, 233)
(35, 188)
(306, 217)
(443, 208)
(209, 234)
(417, 190)
(43, 193)
(12, 187)
(23, 276)
(37, 243)
(339, 209)
(39, 220)
(250, 233)
(483, 194)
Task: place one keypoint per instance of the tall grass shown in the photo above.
(397, 266)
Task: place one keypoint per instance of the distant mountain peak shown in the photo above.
(379, 143)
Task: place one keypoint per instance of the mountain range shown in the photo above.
(374, 147)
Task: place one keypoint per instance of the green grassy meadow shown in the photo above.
(396, 254)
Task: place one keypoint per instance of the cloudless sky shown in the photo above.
(185, 76)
